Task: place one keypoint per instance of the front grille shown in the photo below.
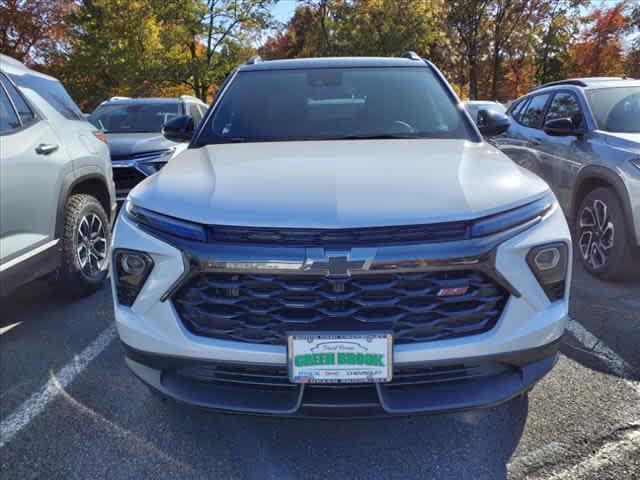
(264, 308)
(126, 178)
(437, 232)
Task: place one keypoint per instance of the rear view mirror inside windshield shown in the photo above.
(324, 78)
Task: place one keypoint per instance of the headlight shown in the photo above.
(636, 163)
(131, 271)
(166, 224)
(549, 264)
(512, 218)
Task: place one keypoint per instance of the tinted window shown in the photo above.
(141, 117)
(8, 118)
(531, 116)
(24, 111)
(195, 113)
(565, 105)
(616, 109)
(517, 109)
(52, 92)
(317, 104)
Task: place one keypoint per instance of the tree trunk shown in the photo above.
(473, 75)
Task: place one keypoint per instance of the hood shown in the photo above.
(125, 144)
(625, 141)
(337, 184)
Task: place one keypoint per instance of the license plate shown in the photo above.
(340, 358)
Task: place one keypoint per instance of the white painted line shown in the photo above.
(615, 363)
(609, 454)
(37, 402)
(9, 327)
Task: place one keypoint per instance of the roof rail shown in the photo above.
(411, 55)
(254, 59)
(119, 98)
(189, 97)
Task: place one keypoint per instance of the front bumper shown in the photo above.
(441, 386)
(529, 322)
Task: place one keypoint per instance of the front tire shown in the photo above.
(602, 237)
(85, 245)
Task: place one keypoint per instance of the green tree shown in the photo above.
(468, 20)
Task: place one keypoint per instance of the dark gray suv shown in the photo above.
(583, 137)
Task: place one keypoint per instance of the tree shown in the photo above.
(599, 51)
(216, 33)
(32, 30)
(467, 18)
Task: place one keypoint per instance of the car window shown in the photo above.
(517, 109)
(616, 109)
(137, 117)
(195, 113)
(24, 111)
(565, 105)
(329, 104)
(531, 115)
(8, 118)
(52, 91)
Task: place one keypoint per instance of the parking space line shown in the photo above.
(609, 454)
(37, 402)
(616, 364)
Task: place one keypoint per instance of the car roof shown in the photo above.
(141, 100)
(480, 102)
(590, 82)
(332, 62)
(12, 66)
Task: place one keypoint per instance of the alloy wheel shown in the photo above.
(92, 245)
(596, 234)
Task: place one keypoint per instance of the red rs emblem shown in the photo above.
(452, 291)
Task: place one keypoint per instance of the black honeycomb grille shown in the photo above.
(264, 308)
(126, 178)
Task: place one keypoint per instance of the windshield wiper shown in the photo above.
(384, 136)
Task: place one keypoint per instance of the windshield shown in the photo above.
(616, 109)
(335, 103)
(134, 117)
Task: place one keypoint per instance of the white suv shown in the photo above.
(338, 239)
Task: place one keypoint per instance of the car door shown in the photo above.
(29, 168)
(524, 142)
(560, 156)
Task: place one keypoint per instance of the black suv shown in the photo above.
(133, 127)
(583, 137)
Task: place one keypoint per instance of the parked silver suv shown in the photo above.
(583, 137)
(338, 239)
(57, 196)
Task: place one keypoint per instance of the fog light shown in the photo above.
(131, 271)
(549, 264)
(132, 263)
(547, 258)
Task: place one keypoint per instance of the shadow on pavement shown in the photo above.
(610, 311)
(476, 444)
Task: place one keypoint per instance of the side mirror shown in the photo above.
(561, 127)
(492, 123)
(179, 129)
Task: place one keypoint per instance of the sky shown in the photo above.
(284, 9)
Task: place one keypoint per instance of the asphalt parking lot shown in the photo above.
(70, 409)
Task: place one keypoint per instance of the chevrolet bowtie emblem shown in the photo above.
(338, 266)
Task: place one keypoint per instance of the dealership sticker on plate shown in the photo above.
(340, 358)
